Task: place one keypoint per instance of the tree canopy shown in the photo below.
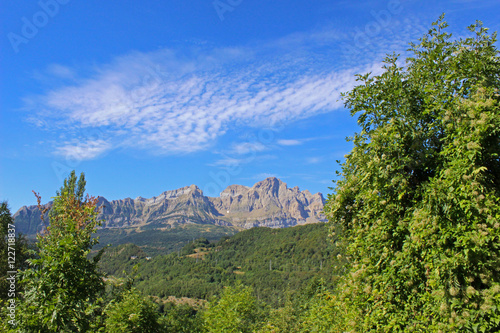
(63, 287)
(418, 196)
(236, 311)
(132, 314)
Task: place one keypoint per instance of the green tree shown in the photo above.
(283, 320)
(321, 314)
(63, 288)
(236, 311)
(132, 313)
(418, 197)
(181, 318)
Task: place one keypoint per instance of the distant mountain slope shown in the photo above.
(268, 203)
(273, 261)
(28, 220)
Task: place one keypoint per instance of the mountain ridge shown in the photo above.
(268, 203)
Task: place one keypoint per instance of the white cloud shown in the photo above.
(60, 71)
(186, 113)
(248, 147)
(165, 102)
(314, 160)
(231, 162)
(289, 142)
(80, 151)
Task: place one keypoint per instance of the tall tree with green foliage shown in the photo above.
(237, 311)
(132, 313)
(419, 195)
(181, 318)
(63, 287)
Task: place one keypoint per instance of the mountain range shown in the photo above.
(268, 203)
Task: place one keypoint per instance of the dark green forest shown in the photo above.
(277, 263)
(155, 242)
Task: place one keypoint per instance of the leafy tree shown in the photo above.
(321, 314)
(418, 198)
(62, 287)
(132, 314)
(283, 319)
(181, 318)
(236, 311)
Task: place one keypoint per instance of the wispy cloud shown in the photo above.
(314, 160)
(168, 102)
(228, 162)
(289, 142)
(296, 142)
(61, 71)
(232, 162)
(79, 151)
(248, 147)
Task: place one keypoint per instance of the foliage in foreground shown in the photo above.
(132, 313)
(236, 311)
(419, 196)
(63, 288)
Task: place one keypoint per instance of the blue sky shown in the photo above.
(154, 95)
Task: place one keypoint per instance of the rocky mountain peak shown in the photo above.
(269, 182)
(267, 203)
(195, 191)
(270, 186)
(234, 190)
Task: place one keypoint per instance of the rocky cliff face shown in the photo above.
(28, 219)
(184, 205)
(268, 203)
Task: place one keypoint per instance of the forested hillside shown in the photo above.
(155, 242)
(272, 261)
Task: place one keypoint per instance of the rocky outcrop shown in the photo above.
(28, 219)
(268, 203)
(184, 205)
